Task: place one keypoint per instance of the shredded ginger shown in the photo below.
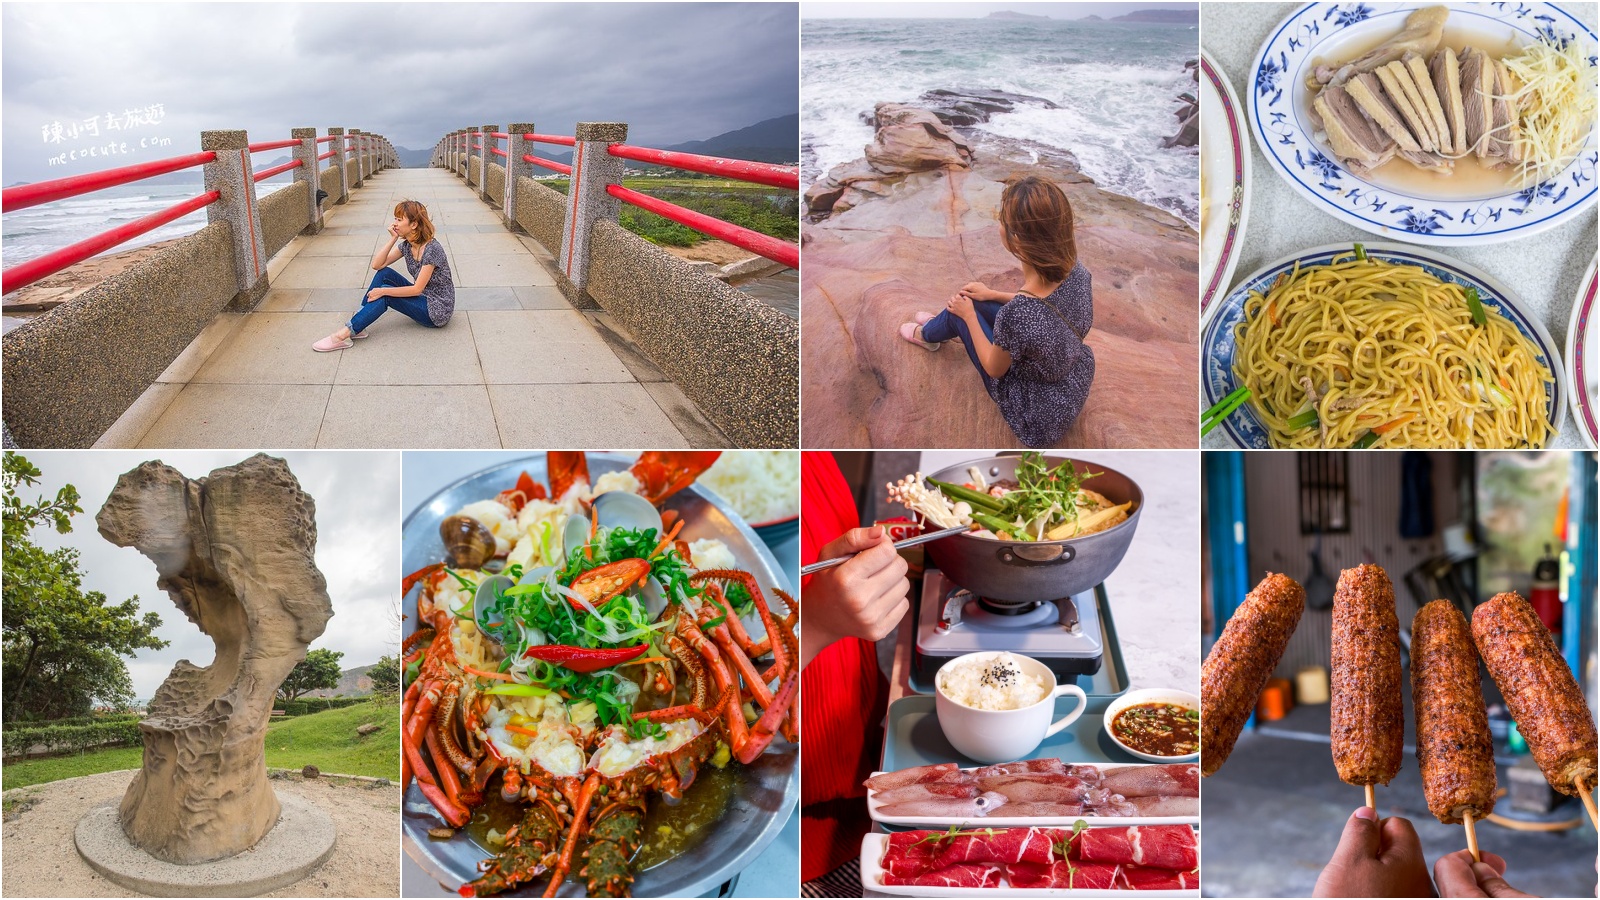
(1557, 100)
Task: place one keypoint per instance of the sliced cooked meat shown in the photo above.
(1506, 124)
(1446, 71)
(1396, 79)
(1434, 109)
(1422, 32)
(1477, 97)
(1352, 136)
(1367, 92)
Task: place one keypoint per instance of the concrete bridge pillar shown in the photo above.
(338, 160)
(463, 152)
(587, 202)
(474, 137)
(486, 162)
(355, 153)
(307, 171)
(517, 146)
(230, 175)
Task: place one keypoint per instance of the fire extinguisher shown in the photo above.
(1546, 594)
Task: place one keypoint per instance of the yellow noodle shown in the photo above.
(1381, 342)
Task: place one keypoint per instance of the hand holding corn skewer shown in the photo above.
(1367, 730)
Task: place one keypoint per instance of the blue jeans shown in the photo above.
(414, 308)
(947, 326)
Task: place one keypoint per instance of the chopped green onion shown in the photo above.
(1475, 305)
(1366, 440)
(1361, 253)
(1223, 409)
(1307, 419)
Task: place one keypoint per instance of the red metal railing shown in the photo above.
(275, 170)
(737, 169)
(329, 139)
(770, 247)
(551, 139)
(563, 168)
(13, 199)
(20, 276)
(274, 145)
(329, 155)
(498, 152)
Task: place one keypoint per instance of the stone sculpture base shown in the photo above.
(300, 842)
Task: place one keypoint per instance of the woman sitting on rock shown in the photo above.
(1028, 346)
(430, 301)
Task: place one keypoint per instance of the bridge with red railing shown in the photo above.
(731, 353)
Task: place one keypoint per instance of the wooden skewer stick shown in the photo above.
(1472, 836)
(1372, 800)
(1588, 802)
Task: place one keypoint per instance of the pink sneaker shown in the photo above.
(361, 335)
(331, 343)
(913, 332)
(924, 318)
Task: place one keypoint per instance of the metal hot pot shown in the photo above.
(1033, 571)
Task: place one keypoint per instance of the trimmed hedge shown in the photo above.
(74, 720)
(308, 705)
(71, 738)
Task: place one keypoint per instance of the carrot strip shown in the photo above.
(646, 659)
(497, 676)
(1387, 427)
(518, 729)
(676, 527)
(594, 527)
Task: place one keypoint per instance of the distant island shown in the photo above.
(1008, 14)
(1162, 16)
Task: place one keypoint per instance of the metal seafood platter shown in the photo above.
(769, 788)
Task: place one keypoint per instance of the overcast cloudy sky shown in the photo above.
(964, 10)
(358, 546)
(674, 72)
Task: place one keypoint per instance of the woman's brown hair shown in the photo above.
(416, 213)
(1038, 227)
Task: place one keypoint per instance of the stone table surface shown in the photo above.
(1543, 269)
(776, 872)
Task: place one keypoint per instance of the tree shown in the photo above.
(319, 671)
(63, 646)
(385, 675)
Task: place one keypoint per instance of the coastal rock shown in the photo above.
(875, 264)
(973, 107)
(912, 139)
(1188, 113)
(235, 551)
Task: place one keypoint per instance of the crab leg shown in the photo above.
(760, 735)
(580, 816)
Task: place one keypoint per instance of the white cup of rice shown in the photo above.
(997, 706)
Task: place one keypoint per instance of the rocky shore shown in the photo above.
(901, 229)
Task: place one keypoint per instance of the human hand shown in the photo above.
(1376, 860)
(394, 229)
(976, 290)
(864, 597)
(1458, 876)
(960, 305)
(377, 293)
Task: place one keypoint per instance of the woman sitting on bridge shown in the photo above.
(1028, 346)
(430, 301)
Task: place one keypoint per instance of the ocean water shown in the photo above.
(35, 231)
(1116, 84)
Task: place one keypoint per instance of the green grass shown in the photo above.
(327, 740)
(771, 211)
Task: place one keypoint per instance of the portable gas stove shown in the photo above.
(1071, 635)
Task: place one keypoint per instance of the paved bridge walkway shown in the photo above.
(516, 367)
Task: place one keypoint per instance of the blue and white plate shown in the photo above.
(1218, 346)
(1583, 357)
(1280, 117)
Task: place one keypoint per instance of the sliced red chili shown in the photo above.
(585, 659)
(601, 584)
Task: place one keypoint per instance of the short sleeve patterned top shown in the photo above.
(441, 289)
(1042, 393)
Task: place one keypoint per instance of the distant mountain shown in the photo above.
(772, 141)
(352, 683)
(1162, 16)
(1008, 14)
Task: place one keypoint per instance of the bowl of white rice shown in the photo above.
(763, 486)
(997, 706)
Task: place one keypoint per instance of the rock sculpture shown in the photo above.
(234, 551)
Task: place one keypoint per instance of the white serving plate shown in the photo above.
(1225, 168)
(1150, 695)
(1217, 343)
(1280, 117)
(1583, 358)
(874, 845)
(940, 822)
